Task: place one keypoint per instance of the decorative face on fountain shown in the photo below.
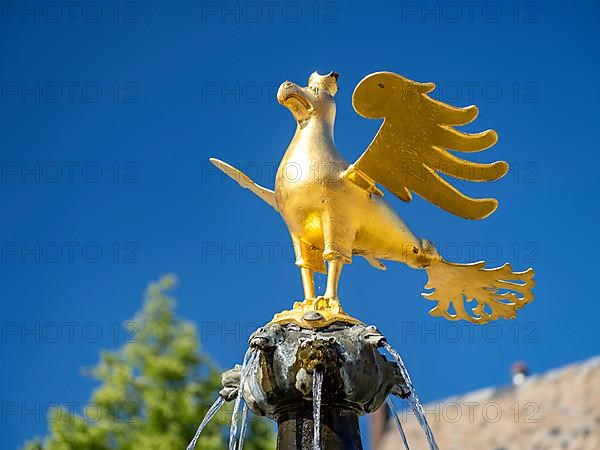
(356, 375)
(314, 101)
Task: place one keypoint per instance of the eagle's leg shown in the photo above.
(330, 300)
(338, 238)
(309, 261)
(334, 270)
(308, 282)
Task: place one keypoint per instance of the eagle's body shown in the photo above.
(334, 210)
(328, 215)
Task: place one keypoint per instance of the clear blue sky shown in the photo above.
(107, 123)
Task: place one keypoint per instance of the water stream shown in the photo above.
(317, 397)
(244, 426)
(413, 399)
(249, 364)
(249, 358)
(209, 415)
(398, 424)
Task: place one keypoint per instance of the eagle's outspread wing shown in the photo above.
(413, 145)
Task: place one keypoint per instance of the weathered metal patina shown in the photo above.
(357, 379)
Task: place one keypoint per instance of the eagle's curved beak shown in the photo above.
(296, 99)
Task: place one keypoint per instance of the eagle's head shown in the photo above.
(313, 101)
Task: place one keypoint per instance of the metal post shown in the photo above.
(340, 429)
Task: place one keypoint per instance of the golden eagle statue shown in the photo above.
(335, 210)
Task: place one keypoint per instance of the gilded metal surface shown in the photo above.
(334, 210)
(314, 313)
(412, 144)
(499, 292)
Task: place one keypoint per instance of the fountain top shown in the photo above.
(357, 376)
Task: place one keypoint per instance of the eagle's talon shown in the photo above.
(335, 306)
(321, 303)
(331, 304)
(305, 304)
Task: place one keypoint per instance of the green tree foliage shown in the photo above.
(153, 392)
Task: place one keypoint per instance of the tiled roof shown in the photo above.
(556, 410)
